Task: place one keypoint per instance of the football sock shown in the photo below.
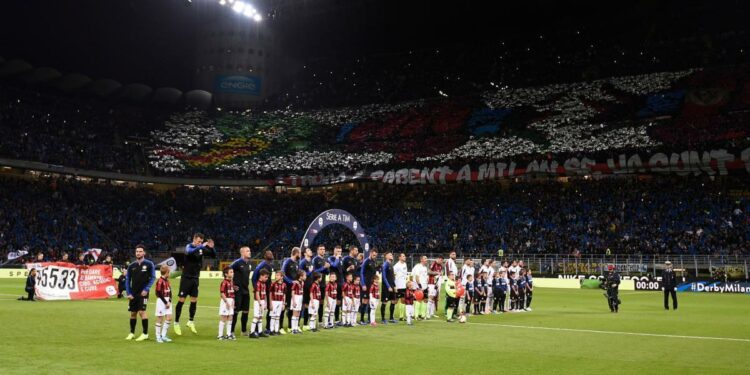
(193, 307)
(178, 312)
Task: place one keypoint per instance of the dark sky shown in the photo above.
(151, 41)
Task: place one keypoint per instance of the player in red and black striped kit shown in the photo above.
(163, 305)
(331, 300)
(298, 287)
(278, 293)
(409, 299)
(259, 306)
(347, 316)
(374, 299)
(433, 289)
(314, 303)
(226, 307)
(356, 301)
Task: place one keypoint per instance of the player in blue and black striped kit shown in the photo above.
(140, 277)
(388, 293)
(321, 266)
(290, 268)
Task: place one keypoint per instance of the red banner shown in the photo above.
(66, 281)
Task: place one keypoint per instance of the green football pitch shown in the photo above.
(569, 331)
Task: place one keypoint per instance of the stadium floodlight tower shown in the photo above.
(236, 53)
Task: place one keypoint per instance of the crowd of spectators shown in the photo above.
(613, 115)
(666, 215)
(556, 95)
(82, 132)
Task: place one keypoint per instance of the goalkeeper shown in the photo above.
(189, 281)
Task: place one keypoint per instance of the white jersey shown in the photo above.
(488, 270)
(420, 276)
(465, 271)
(490, 274)
(502, 269)
(515, 269)
(401, 272)
(450, 267)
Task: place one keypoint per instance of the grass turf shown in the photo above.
(88, 337)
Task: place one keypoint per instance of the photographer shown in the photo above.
(611, 284)
(30, 286)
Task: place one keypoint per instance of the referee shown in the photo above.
(669, 282)
(241, 268)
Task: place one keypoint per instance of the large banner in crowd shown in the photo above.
(689, 162)
(66, 281)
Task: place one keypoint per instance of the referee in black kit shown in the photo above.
(669, 282)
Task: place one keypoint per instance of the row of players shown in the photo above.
(301, 294)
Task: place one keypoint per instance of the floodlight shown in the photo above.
(238, 7)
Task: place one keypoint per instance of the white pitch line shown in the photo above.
(614, 332)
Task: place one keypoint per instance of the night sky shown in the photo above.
(151, 41)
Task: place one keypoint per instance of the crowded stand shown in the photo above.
(46, 126)
(557, 95)
(668, 215)
(665, 111)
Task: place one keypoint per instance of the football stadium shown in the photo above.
(372, 186)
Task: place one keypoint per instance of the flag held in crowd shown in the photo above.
(16, 254)
(171, 263)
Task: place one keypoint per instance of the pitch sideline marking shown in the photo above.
(612, 332)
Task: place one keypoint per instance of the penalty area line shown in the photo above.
(663, 335)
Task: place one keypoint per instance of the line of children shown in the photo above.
(518, 287)
(475, 295)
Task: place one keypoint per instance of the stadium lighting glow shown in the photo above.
(238, 7)
(243, 8)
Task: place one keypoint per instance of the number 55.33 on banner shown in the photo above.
(66, 281)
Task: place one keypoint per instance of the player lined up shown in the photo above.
(306, 295)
